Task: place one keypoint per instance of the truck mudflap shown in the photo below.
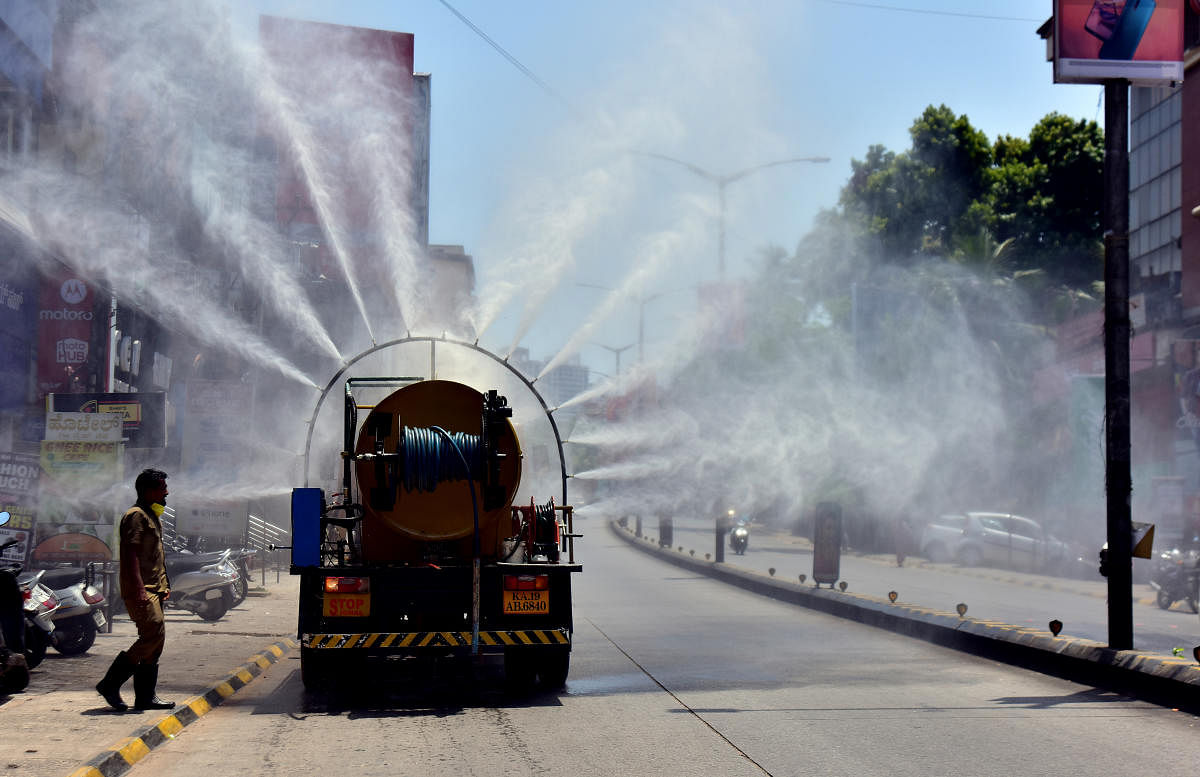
(417, 640)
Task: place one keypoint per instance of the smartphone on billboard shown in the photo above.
(1131, 26)
(1102, 19)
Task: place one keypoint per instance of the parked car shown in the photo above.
(992, 539)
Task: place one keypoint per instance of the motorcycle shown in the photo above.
(80, 615)
(14, 669)
(1176, 576)
(202, 584)
(739, 538)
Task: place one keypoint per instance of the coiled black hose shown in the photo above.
(429, 458)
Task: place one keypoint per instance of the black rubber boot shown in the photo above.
(110, 687)
(145, 678)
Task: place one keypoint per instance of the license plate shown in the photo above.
(526, 602)
(98, 617)
(346, 605)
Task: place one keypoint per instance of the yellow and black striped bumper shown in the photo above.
(415, 640)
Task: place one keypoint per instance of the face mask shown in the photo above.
(158, 509)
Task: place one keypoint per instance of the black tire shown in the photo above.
(14, 675)
(520, 670)
(240, 589)
(74, 636)
(1191, 603)
(314, 669)
(36, 643)
(970, 556)
(936, 552)
(215, 609)
(553, 669)
(1163, 600)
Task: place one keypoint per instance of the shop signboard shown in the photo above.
(72, 547)
(1137, 40)
(216, 422)
(82, 485)
(84, 427)
(66, 311)
(213, 519)
(19, 478)
(143, 414)
(16, 329)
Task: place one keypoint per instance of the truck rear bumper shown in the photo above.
(411, 642)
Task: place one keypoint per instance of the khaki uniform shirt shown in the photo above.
(141, 534)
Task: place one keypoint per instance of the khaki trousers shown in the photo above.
(152, 630)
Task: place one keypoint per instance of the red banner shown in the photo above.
(65, 317)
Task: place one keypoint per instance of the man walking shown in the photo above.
(144, 588)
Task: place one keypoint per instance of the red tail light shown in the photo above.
(92, 596)
(527, 582)
(347, 585)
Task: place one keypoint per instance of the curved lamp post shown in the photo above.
(724, 180)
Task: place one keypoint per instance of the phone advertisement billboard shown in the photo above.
(1137, 40)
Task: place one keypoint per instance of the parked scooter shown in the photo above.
(40, 606)
(1175, 576)
(739, 537)
(201, 584)
(239, 558)
(80, 613)
(14, 669)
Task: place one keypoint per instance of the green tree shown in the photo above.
(1046, 194)
(918, 203)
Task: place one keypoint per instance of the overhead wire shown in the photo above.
(532, 76)
(930, 11)
(512, 59)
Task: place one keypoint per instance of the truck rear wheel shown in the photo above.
(314, 669)
(520, 670)
(553, 669)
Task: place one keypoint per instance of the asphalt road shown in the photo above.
(674, 673)
(1013, 597)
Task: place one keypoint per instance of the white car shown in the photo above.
(991, 539)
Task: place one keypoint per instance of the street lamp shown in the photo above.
(641, 341)
(617, 353)
(724, 180)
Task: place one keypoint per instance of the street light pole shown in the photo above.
(641, 341)
(642, 324)
(617, 353)
(723, 181)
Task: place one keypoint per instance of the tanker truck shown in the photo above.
(421, 552)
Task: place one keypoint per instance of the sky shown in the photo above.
(531, 160)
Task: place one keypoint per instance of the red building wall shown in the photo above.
(334, 84)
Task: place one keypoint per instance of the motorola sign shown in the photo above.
(73, 291)
(66, 314)
(71, 350)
